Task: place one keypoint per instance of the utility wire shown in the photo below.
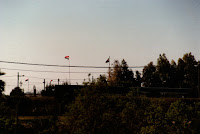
(40, 77)
(23, 63)
(8, 76)
(49, 78)
(47, 71)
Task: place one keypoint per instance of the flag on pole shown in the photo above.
(108, 60)
(26, 80)
(67, 57)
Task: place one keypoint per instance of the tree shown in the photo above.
(50, 90)
(2, 84)
(179, 117)
(163, 67)
(173, 79)
(180, 73)
(127, 74)
(150, 76)
(101, 80)
(121, 74)
(138, 79)
(190, 70)
(17, 91)
(115, 73)
(165, 74)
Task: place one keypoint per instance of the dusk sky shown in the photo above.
(89, 31)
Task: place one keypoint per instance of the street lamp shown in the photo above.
(18, 78)
(67, 57)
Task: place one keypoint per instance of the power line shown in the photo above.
(47, 71)
(49, 78)
(23, 63)
(40, 77)
(8, 76)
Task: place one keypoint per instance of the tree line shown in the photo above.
(183, 74)
(95, 110)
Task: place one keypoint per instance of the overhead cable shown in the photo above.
(47, 71)
(23, 63)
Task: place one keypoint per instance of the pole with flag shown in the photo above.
(108, 61)
(67, 57)
(28, 83)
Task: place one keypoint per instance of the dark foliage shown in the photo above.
(17, 91)
(2, 83)
(165, 74)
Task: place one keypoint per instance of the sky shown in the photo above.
(89, 31)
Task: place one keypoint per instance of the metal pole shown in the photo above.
(28, 84)
(109, 67)
(199, 79)
(18, 79)
(69, 73)
(44, 84)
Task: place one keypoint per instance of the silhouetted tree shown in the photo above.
(101, 80)
(115, 73)
(138, 79)
(50, 89)
(127, 75)
(121, 74)
(65, 83)
(2, 84)
(17, 91)
(173, 75)
(190, 70)
(150, 76)
(164, 74)
(163, 67)
(180, 73)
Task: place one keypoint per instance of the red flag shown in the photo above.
(26, 80)
(67, 57)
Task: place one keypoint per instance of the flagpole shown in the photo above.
(109, 66)
(69, 72)
(28, 85)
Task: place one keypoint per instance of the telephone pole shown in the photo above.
(44, 84)
(18, 78)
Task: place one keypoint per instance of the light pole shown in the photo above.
(18, 78)
(67, 57)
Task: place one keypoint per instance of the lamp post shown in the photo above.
(18, 78)
(67, 57)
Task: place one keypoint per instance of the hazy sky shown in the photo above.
(89, 31)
